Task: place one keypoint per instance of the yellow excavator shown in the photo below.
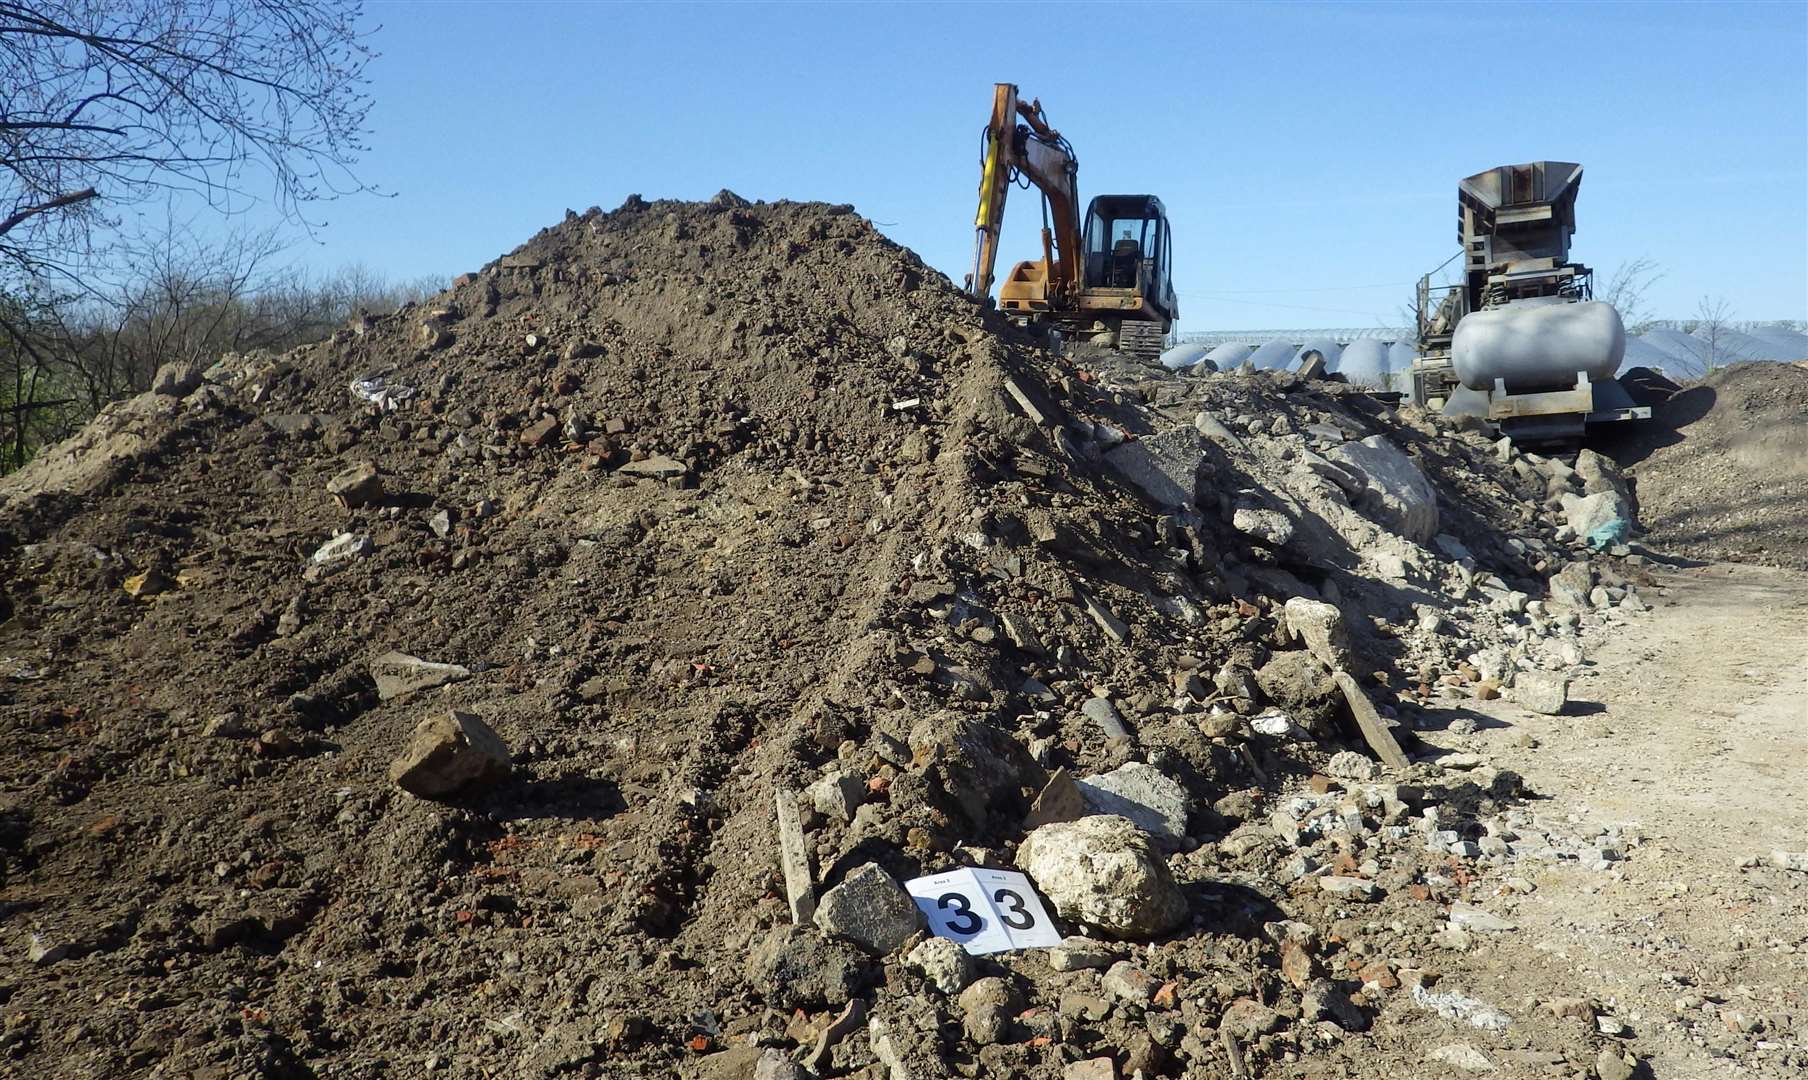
(1104, 280)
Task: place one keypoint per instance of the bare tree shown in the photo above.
(1628, 289)
(1711, 317)
(109, 102)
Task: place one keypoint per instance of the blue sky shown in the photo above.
(1308, 154)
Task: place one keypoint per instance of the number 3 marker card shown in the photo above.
(986, 911)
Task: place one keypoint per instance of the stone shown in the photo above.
(774, 1065)
(441, 524)
(342, 549)
(870, 909)
(945, 964)
(1154, 801)
(1461, 1056)
(1297, 964)
(449, 753)
(1374, 729)
(836, 795)
(1103, 713)
(1610, 1064)
(1350, 888)
(1165, 467)
(1396, 494)
(1601, 520)
(1796, 861)
(1080, 953)
(1271, 527)
(1598, 473)
(1130, 984)
(542, 431)
(357, 486)
(1246, 1019)
(397, 674)
(1059, 800)
(1572, 585)
(988, 1005)
(657, 467)
(903, 1035)
(1101, 1068)
(1545, 692)
(176, 379)
(1349, 765)
(797, 967)
(794, 858)
(1104, 872)
(975, 768)
(1321, 627)
(1115, 628)
(42, 952)
(1466, 917)
(1324, 1000)
(1212, 428)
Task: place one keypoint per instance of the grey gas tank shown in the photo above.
(1538, 344)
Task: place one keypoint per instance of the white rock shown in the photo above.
(1396, 494)
(1104, 872)
(944, 964)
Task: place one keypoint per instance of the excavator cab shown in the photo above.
(1127, 247)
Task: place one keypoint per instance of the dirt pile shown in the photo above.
(1723, 471)
(691, 504)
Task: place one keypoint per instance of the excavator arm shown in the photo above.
(1036, 152)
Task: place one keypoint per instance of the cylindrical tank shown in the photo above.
(1364, 363)
(1400, 357)
(1538, 344)
(1325, 347)
(1273, 354)
(1229, 355)
(1182, 356)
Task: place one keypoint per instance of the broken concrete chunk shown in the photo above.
(357, 486)
(1165, 467)
(1104, 872)
(1396, 495)
(794, 859)
(1077, 953)
(342, 549)
(657, 467)
(1148, 797)
(1271, 527)
(1113, 626)
(837, 795)
(1103, 713)
(398, 674)
(1374, 729)
(870, 909)
(947, 966)
(1543, 692)
(448, 753)
(1321, 627)
(1059, 800)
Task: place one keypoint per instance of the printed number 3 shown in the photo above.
(1016, 909)
(964, 921)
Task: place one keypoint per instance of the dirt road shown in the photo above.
(1689, 735)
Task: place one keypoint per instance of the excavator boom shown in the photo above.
(1107, 282)
(1037, 152)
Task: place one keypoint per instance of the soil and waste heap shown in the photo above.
(432, 700)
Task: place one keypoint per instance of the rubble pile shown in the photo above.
(1722, 470)
(570, 675)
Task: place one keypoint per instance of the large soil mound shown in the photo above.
(1724, 475)
(710, 500)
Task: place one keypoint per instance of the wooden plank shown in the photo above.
(800, 884)
(1374, 728)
